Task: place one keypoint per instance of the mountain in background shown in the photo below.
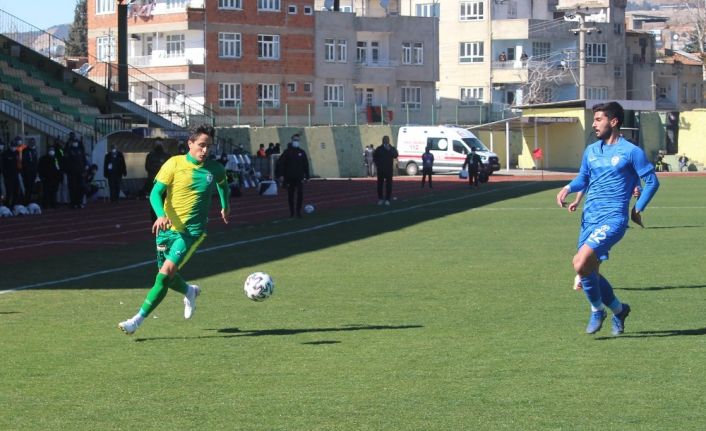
(61, 31)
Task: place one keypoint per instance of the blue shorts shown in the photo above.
(601, 237)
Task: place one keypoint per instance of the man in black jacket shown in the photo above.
(293, 170)
(114, 170)
(51, 176)
(475, 164)
(8, 159)
(384, 158)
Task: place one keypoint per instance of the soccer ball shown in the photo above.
(309, 208)
(259, 286)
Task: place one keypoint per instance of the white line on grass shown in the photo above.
(264, 238)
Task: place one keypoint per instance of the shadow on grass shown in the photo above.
(674, 227)
(322, 342)
(658, 334)
(655, 288)
(235, 332)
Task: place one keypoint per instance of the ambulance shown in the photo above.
(449, 145)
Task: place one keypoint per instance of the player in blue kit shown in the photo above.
(610, 170)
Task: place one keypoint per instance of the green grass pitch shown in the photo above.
(450, 311)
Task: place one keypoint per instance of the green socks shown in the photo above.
(161, 284)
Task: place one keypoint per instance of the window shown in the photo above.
(361, 53)
(105, 6)
(618, 71)
(175, 45)
(471, 11)
(596, 52)
(694, 93)
(471, 96)
(268, 95)
(412, 98)
(541, 50)
(268, 46)
(176, 4)
(291, 87)
(335, 50)
(471, 52)
(105, 48)
(230, 45)
(333, 95)
(684, 93)
(428, 10)
(512, 9)
(228, 95)
(412, 53)
(597, 93)
(173, 91)
(230, 4)
(292, 9)
(308, 10)
(307, 87)
(268, 5)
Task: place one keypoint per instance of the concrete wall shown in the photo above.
(692, 129)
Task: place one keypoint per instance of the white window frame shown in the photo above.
(335, 50)
(229, 94)
(541, 50)
(230, 45)
(268, 47)
(291, 87)
(292, 9)
(361, 51)
(104, 7)
(176, 4)
(333, 95)
(413, 53)
(173, 91)
(342, 51)
(176, 45)
(269, 5)
(471, 52)
(308, 10)
(103, 44)
(308, 87)
(428, 10)
(596, 53)
(472, 11)
(411, 97)
(597, 93)
(230, 4)
(268, 95)
(471, 96)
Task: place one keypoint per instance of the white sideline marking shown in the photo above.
(265, 238)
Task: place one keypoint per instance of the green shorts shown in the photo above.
(176, 247)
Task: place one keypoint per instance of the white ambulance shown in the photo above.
(449, 145)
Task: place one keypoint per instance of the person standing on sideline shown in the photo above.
(50, 174)
(610, 170)
(293, 171)
(189, 182)
(74, 164)
(384, 158)
(114, 169)
(28, 163)
(153, 162)
(10, 174)
(368, 159)
(427, 165)
(474, 164)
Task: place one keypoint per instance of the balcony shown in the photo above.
(382, 72)
(162, 59)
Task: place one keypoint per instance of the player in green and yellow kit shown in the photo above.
(189, 181)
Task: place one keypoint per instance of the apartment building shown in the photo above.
(269, 62)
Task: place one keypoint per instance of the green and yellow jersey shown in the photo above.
(190, 187)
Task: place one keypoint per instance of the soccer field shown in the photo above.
(450, 310)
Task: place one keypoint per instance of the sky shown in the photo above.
(41, 13)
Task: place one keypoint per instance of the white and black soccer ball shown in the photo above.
(309, 208)
(20, 210)
(34, 209)
(5, 212)
(259, 286)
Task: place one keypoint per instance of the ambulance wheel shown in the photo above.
(412, 169)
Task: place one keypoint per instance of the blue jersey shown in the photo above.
(609, 174)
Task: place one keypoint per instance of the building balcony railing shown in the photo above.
(377, 63)
(163, 59)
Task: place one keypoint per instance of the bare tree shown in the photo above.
(543, 76)
(697, 9)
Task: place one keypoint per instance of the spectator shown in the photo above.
(524, 58)
(427, 165)
(683, 163)
(153, 162)
(28, 162)
(270, 150)
(50, 174)
(75, 168)
(2, 183)
(384, 157)
(502, 56)
(90, 182)
(277, 150)
(475, 164)
(182, 149)
(293, 170)
(261, 153)
(9, 159)
(114, 169)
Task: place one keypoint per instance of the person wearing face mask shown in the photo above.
(384, 158)
(114, 169)
(74, 167)
(10, 173)
(50, 174)
(28, 161)
(293, 170)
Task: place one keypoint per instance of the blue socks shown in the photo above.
(599, 292)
